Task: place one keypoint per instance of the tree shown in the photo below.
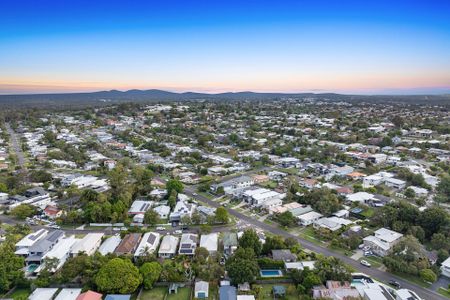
(332, 268)
(409, 193)
(428, 275)
(174, 185)
(3, 188)
(10, 267)
(151, 217)
(242, 266)
(118, 276)
(322, 200)
(440, 241)
(186, 220)
(398, 121)
(311, 280)
(220, 190)
(443, 189)
(23, 211)
(41, 176)
(172, 201)
(433, 219)
(286, 219)
(150, 273)
(221, 215)
(250, 239)
(273, 243)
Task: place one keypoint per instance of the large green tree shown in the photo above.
(242, 266)
(150, 273)
(118, 276)
(250, 239)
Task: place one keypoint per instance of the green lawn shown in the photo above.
(443, 292)
(157, 293)
(375, 261)
(183, 294)
(213, 292)
(266, 293)
(20, 294)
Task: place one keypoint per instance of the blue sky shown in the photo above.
(341, 46)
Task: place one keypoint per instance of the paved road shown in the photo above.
(16, 146)
(425, 293)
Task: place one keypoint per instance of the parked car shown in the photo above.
(368, 253)
(178, 231)
(160, 228)
(194, 194)
(365, 263)
(394, 283)
(366, 248)
(54, 226)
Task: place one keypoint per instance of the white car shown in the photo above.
(178, 232)
(160, 228)
(365, 263)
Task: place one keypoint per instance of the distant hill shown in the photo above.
(153, 95)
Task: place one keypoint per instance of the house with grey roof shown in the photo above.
(40, 248)
(188, 244)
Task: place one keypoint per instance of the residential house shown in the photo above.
(90, 295)
(129, 244)
(88, 244)
(40, 248)
(188, 244)
(22, 246)
(168, 247)
(445, 267)
(284, 255)
(60, 253)
(52, 212)
(210, 242)
(68, 294)
(109, 245)
(230, 243)
(309, 218)
(149, 243)
(382, 241)
(233, 185)
(43, 294)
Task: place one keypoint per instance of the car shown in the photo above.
(365, 263)
(194, 194)
(368, 253)
(395, 283)
(366, 248)
(178, 231)
(160, 228)
(361, 246)
(54, 226)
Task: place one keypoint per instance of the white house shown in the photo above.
(149, 243)
(68, 294)
(209, 242)
(88, 244)
(43, 294)
(395, 183)
(168, 247)
(361, 197)
(309, 218)
(140, 207)
(26, 242)
(445, 267)
(163, 211)
(60, 252)
(259, 197)
(109, 245)
(382, 241)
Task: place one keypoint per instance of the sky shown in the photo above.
(357, 47)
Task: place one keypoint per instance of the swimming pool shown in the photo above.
(271, 273)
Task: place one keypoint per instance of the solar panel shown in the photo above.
(53, 236)
(151, 239)
(36, 236)
(185, 251)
